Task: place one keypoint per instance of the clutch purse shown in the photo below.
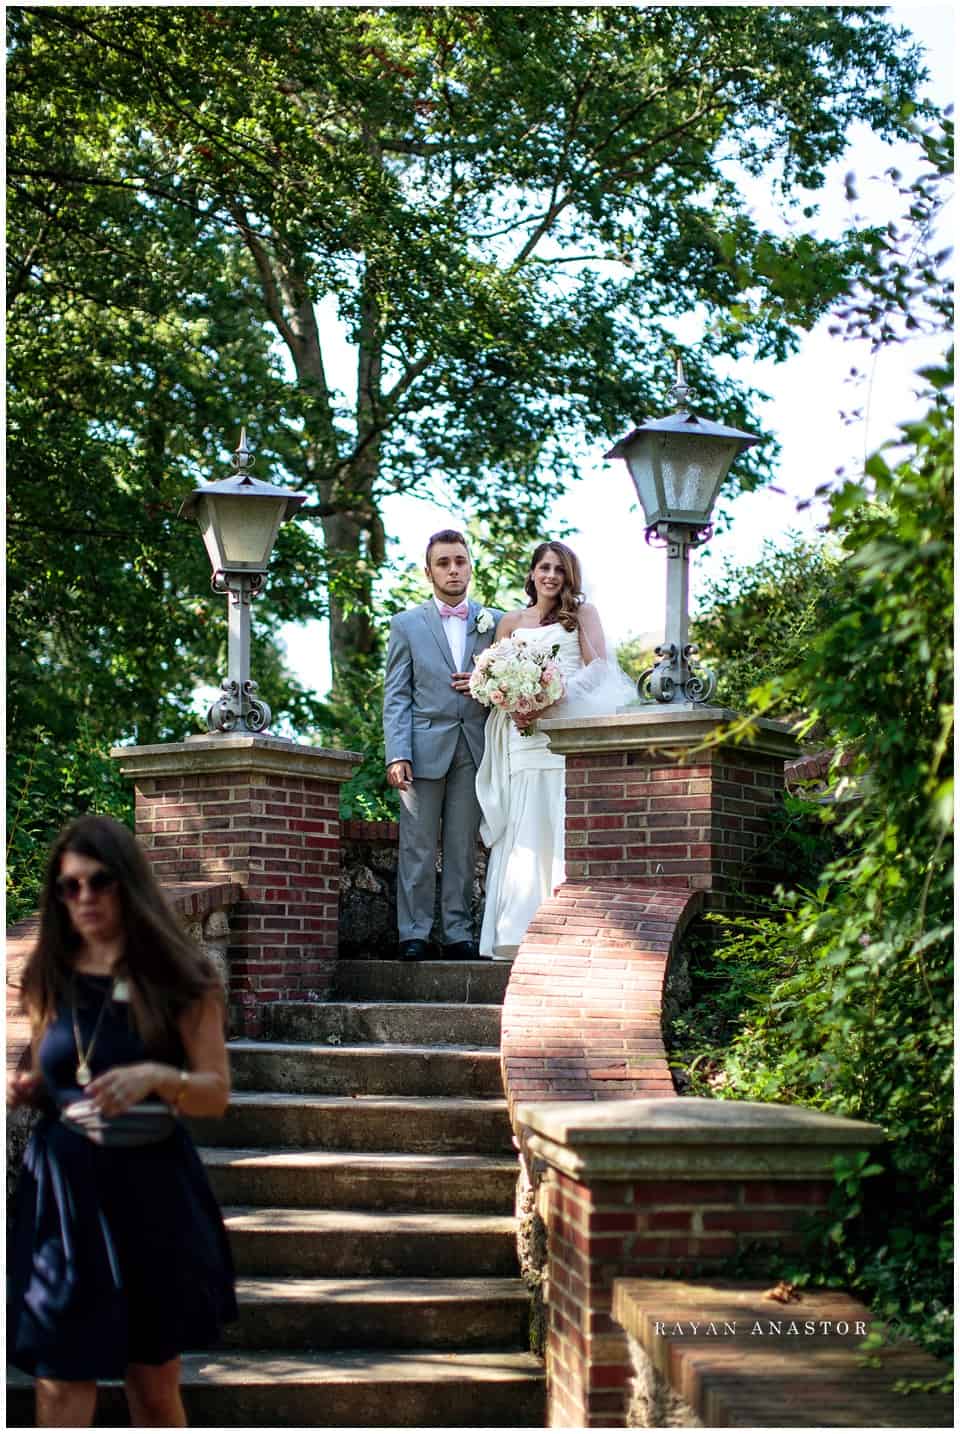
(144, 1124)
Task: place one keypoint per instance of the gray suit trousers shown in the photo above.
(444, 807)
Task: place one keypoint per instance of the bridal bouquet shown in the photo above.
(517, 677)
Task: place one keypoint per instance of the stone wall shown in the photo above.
(368, 890)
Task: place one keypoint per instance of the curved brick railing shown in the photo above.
(581, 1017)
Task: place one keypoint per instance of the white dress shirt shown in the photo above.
(455, 630)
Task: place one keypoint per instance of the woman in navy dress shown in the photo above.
(120, 1258)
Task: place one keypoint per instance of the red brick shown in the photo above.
(608, 1376)
(786, 1192)
(686, 1193)
(670, 1220)
(742, 1220)
(613, 1221)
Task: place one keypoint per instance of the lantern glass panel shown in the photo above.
(693, 470)
(641, 471)
(679, 475)
(241, 530)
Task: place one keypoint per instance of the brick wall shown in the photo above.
(693, 822)
(661, 796)
(728, 1354)
(654, 1188)
(281, 834)
(661, 816)
(581, 1016)
(612, 1231)
(265, 813)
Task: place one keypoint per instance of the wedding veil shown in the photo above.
(601, 686)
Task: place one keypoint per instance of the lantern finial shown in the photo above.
(243, 457)
(681, 391)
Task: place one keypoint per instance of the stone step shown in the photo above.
(483, 982)
(423, 1124)
(395, 1022)
(381, 1180)
(300, 1313)
(350, 1388)
(385, 1069)
(346, 1244)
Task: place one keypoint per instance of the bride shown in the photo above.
(520, 781)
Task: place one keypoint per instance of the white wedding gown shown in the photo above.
(520, 790)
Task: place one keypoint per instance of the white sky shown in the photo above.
(809, 391)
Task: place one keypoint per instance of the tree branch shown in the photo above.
(65, 177)
(239, 154)
(268, 281)
(557, 206)
(406, 379)
(24, 266)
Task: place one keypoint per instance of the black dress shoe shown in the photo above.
(413, 951)
(461, 951)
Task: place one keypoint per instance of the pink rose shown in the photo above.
(496, 696)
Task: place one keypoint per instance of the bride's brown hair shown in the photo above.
(565, 609)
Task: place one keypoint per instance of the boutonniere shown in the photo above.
(484, 621)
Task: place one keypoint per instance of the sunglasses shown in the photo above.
(68, 888)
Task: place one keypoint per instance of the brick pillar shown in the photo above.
(650, 796)
(265, 813)
(661, 1188)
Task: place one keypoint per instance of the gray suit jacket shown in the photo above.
(422, 714)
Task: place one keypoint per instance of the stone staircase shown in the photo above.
(367, 1178)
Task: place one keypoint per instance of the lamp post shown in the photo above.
(239, 518)
(677, 465)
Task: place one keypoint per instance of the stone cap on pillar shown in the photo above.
(692, 1138)
(670, 727)
(236, 751)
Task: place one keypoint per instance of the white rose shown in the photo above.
(484, 621)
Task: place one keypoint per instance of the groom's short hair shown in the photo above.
(447, 535)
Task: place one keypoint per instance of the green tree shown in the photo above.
(506, 206)
(758, 622)
(842, 999)
(841, 996)
(636, 654)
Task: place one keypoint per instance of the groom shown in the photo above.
(433, 737)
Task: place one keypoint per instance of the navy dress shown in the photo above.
(119, 1255)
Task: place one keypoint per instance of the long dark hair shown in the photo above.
(565, 609)
(165, 969)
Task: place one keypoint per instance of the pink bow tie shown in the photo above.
(459, 611)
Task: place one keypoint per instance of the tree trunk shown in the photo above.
(352, 527)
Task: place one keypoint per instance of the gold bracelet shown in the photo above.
(184, 1077)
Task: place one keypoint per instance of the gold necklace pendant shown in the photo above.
(84, 1073)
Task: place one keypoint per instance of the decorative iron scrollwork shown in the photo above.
(224, 714)
(257, 715)
(659, 683)
(243, 589)
(701, 683)
(238, 707)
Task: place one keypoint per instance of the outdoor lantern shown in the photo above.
(678, 465)
(240, 516)
(239, 519)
